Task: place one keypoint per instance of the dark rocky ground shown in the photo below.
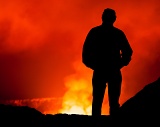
(140, 110)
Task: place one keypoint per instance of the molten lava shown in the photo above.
(77, 98)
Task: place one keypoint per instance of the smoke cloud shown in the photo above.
(40, 42)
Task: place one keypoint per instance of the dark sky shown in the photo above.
(41, 43)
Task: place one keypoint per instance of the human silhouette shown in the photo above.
(106, 50)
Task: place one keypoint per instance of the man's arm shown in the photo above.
(126, 50)
(87, 58)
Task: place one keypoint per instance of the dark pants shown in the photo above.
(99, 80)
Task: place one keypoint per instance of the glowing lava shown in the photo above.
(77, 99)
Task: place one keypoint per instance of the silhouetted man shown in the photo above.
(106, 50)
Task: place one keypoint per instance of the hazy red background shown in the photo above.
(41, 43)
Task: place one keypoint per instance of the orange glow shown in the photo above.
(44, 105)
(77, 99)
(41, 44)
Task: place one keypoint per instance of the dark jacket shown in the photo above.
(106, 48)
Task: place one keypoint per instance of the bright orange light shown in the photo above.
(77, 97)
(76, 110)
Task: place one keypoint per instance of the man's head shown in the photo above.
(109, 16)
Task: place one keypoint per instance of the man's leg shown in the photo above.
(99, 85)
(114, 90)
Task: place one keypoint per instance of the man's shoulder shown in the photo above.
(96, 28)
(118, 30)
(101, 27)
